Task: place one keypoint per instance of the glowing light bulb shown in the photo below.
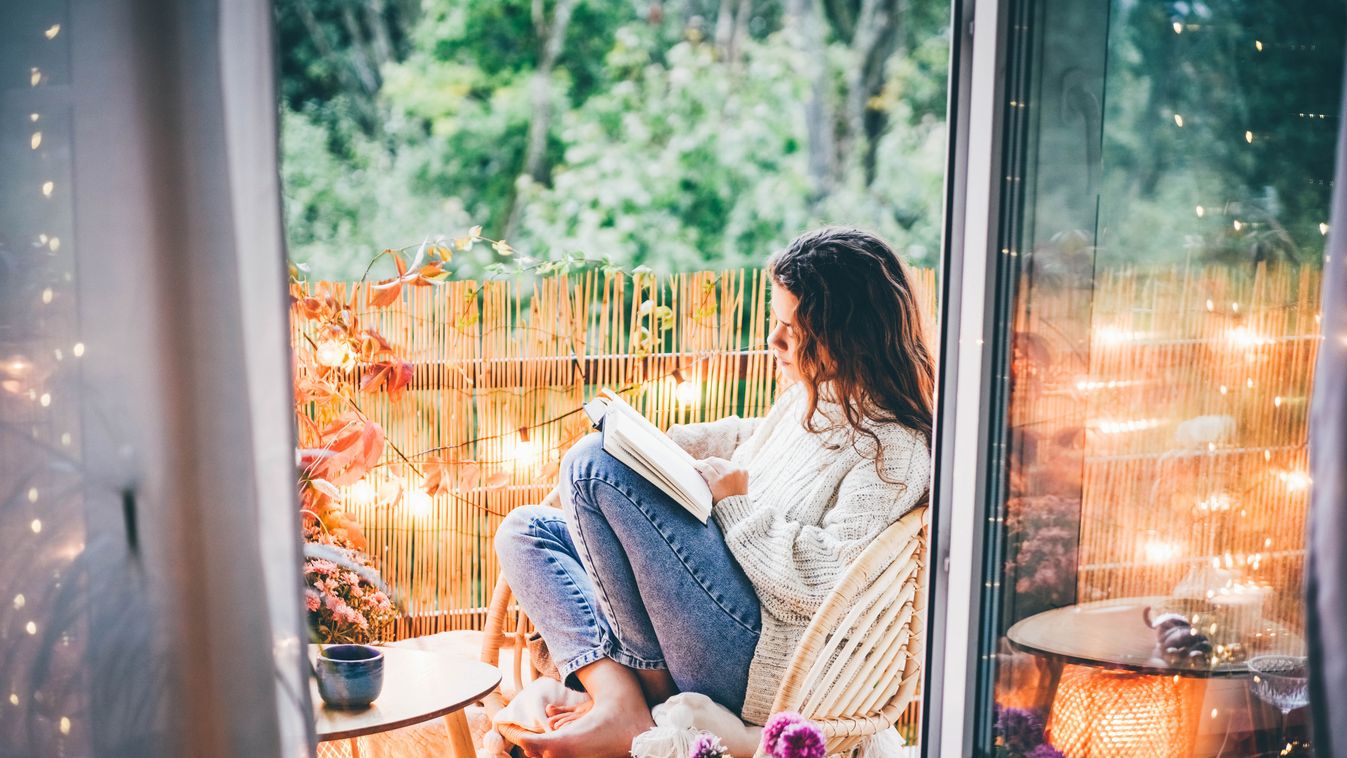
(523, 451)
(688, 392)
(1237, 224)
(52, 31)
(34, 76)
(30, 627)
(1323, 228)
(1277, 401)
(1178, 27)
(1178, 120)
(13, 698)
(36, 140)
(419, 503)
(47, 296)
(1201, 211)
(45, 400)
(1248, 136)
(36, 526)
(78, 349)
(48, 187)
(1224, 389)
(32, 494)
(19, 602)
(65, 725)
(1242, 336)
(334, 354)
(1296, 481)
(362, 493)
(1258, 45)
(54, 244)
(1160, 551)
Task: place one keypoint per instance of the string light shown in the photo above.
(523, 451)
(36, 526)
(31, 628)
(52, 31)
(65, 725)
(47, 296)
(36, 140)
(32, 494)
(1248, 136)
(361, 493)
(1201, 211)
(418, 502)
(1112, 335)
(34, 76)
(1258, 45)
(13, 698)
(45, 400)
(1237, 224)
(1160, 551)
(687, 392)
(1133, 425)
(1178, 27)
(335, 354)
(78, 349)
(1178, 120)
(1323, 228)
(19, 602)
(48, 187)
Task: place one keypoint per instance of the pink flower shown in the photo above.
(311, 601)
(803, 740)
(790, 735)
(333, 603)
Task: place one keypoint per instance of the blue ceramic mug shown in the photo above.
(349, 676)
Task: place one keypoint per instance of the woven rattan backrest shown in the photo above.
(860, 658)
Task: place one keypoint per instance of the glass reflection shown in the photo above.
(1166, 195)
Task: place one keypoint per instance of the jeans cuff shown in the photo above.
(608, 648)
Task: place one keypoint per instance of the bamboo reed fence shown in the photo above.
(1176, 401)
(1183, 410)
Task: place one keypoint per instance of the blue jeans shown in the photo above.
(624, 572)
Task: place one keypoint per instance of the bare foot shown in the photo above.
(605, 730)
(561, 715)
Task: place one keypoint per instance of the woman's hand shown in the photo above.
(723, 477)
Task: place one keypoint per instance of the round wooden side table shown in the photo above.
(418, 686)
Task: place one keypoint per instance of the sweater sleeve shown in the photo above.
(793, 565)
(713, 439)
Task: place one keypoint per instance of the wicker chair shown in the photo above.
(858, 664)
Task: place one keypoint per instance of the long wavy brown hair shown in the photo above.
(860, 328)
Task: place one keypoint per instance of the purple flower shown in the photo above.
(771, 731)
(707, 746)
(802, 740)
(1045, 751)
(1019, 729)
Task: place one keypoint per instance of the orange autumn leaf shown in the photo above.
(391, 376)
(439, 476)
(354, 446)
(498, 480)
(385, 293)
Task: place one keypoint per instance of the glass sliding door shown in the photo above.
(1163, 205)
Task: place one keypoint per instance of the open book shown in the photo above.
(631, 438)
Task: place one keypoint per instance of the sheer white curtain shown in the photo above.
(149, 572)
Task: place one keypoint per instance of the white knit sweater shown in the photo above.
(814, 502)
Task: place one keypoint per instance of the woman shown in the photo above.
(637, 600)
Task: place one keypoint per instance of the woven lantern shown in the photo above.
(1103, 712)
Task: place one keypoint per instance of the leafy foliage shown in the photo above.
(675, 137)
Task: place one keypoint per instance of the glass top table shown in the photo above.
(1112, 634)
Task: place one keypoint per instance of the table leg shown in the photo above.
(355, 747)
(460, 738)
